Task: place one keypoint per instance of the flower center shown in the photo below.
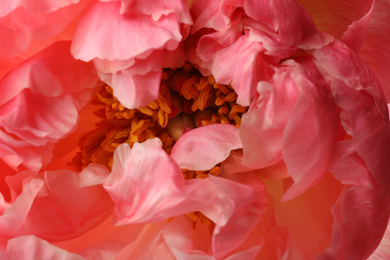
(186, 100)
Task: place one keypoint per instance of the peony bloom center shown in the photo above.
(187, 100)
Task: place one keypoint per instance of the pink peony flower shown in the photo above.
(197, 129)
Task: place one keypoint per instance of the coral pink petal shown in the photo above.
(355, 34)
(20, 27)
(244, 54)
(158, 8)
(242, 208)
(311, 132)
(262, 127)
(202, 148)
(309, 223)
(375, 52)
(40, 110)
(54, 205)
(31, 247)
(286, 17)
(365, 113)
(364, 205)
(146, 185)
(130, 35)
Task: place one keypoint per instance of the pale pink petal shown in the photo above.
(146, 185)
(364, 205)
(245, 55)
(242, 208)
(288, 18)
(158, 8)
(148, 245)
(40, 100)
(128, 37)
(364, 111)
(213, 14)
(31, 248)
(263, 125)
(202, 148)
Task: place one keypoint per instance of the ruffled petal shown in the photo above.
(158, 8)
(40, 101)
(244, 54)
(53, 205)
(263, 125)
(364, 205)
(202, 148)
(312, 130)
(31, 247)
(364, 110)
(383, 250)
(130, 35)
(146, 185)
(288, 18)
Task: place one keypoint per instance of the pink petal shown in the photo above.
(309, 223)
(364, 205)
(53, 205)
(31, 247)
(263, 125)
(38, 111)
(91, 41)
(365, 113)
(286, 17)
(213, 14)
(146, 185)
(39, 20)
(311, 132)
(202, 148)
(158, 8)
(244, 54)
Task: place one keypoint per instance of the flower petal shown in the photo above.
(91, 41)
(263, 125)
(147, 185)
(53, 205)
(244, 54)
(286, 17)
(364, 205)
(202, 148)
(40, 101)
(365, 114)
(31, 247)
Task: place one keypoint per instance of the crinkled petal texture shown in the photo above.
(383, 250)
(55, 205)
(147, 185)
(131, 69)
(39, 104)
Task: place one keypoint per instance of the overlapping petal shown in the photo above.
(218, 140)
(40, 102)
